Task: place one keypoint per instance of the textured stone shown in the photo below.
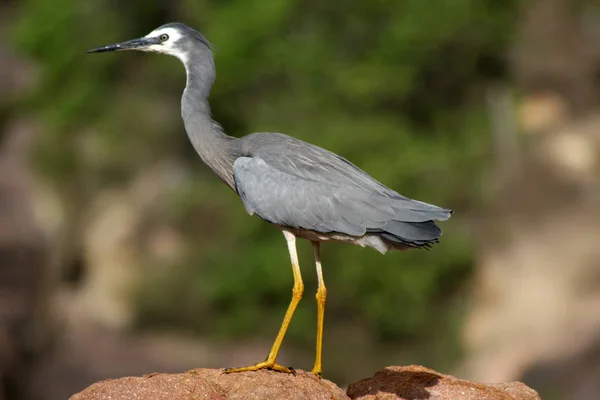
(391, 383)
(212, 384)
(416, 382)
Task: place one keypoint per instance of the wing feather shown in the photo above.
(285, 193)
(309, 162)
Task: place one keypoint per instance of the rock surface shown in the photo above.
(416, 382)
(393, 383)
(212, 384)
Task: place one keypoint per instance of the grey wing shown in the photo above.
(305, 160)
(298, 202)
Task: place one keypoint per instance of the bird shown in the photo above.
(304, 190)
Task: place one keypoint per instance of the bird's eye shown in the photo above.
(164, 37)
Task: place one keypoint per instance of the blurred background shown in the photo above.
(121, 254)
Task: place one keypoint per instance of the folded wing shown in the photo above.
(291, 190)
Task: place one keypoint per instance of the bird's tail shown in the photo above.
(413, 225)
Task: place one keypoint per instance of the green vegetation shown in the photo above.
(395, 86)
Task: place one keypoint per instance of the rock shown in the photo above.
(391, 383)
(161, 386)
(416, 382)
(212, 384)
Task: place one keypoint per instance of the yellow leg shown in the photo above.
(321, 298)
(297, 291)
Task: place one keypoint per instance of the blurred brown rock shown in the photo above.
(413, 382)
(416, 382)
(161, 386)
(212, 384)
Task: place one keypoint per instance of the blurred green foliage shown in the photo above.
(395, 86)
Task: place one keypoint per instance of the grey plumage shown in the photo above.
(295, 185)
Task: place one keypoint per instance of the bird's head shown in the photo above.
(175, 39)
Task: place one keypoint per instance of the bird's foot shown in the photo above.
(261, 365)
(317, 372)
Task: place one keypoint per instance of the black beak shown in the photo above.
(135, 44)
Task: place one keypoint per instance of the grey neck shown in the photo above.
(217, 150)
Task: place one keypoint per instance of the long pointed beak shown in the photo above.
(135, 44)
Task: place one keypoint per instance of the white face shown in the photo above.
(168, 37)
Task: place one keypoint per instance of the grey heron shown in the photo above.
(302, 189)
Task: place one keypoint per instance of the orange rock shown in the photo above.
(416, 382)
(212, 384)
(391, 383)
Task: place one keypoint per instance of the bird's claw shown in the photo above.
(261, 365)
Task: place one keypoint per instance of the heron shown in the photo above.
(305, 191)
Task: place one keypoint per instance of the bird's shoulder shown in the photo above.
(261, 143)
(309, 162)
